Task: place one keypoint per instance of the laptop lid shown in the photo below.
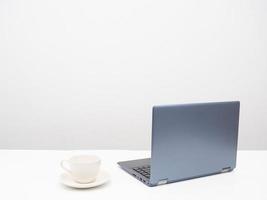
(193, 140)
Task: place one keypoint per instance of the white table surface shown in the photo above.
(34, 175)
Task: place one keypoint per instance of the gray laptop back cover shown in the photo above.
(193, 140)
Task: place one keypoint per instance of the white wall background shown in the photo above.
(85, 74)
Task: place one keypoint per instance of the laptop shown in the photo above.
(189, 141)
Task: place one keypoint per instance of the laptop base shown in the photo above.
(129, 167)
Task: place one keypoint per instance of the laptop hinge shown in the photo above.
(163, 181)
(226, 169)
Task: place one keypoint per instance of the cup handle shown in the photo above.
(64, 164)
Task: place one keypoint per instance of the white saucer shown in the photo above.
(101, 178)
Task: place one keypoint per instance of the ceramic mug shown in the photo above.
(82, 168)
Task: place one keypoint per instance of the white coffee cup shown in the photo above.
(82, 168)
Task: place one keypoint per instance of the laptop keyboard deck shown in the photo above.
(144, 170)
